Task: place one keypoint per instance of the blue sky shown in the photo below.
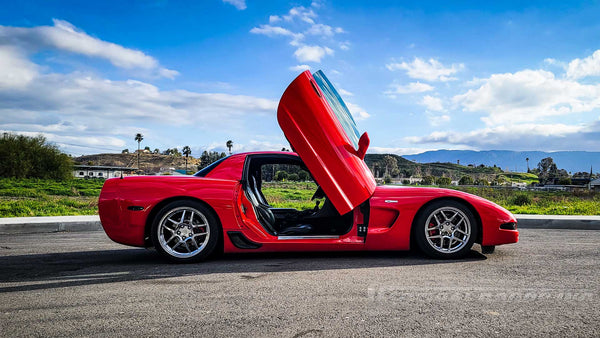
(416, 75)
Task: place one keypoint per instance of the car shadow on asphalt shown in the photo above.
(59, 270)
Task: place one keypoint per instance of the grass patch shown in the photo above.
(39, 197)
(295, 195)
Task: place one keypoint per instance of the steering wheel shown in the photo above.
(318, 194)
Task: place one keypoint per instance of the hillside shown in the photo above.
(149, 163)
(572, 161)
(454, 171)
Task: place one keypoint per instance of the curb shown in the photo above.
(30, 225)
(558, 222)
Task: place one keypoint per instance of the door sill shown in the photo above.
(283, 238)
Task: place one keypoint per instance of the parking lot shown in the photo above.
(73, 284)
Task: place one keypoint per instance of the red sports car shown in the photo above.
(222, 207)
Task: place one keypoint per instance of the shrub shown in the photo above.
(294, 177)
(520, 200)
(281, 175)
(24, 157)
(444, 181)
(466, 180)
(406, 182)
(428, 180)
(387, 179)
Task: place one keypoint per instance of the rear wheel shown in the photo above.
(185, 231)
(445, 229)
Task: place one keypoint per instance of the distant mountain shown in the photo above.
(572, 161)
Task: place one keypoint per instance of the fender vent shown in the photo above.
(241, 242)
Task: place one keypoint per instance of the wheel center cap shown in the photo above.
(184, 230)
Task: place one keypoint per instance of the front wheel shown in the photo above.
(185, 231)
(445, 229)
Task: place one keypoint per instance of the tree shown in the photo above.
(229, 145)
(32, 157)
(466, 180)
(547, 170)
(147, 148)
(156, 151)
(294, 177)
(138, 137)
(186, 151)
(125, 151)
(444, 181)
(428, 180)
(389, 163)
(303, 175)
(281, 175)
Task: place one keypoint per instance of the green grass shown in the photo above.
(38, 197)
(295, 195)
(540, 202)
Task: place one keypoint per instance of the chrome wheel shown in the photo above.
(183, 232)
(448, 230)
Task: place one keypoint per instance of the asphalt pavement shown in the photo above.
(81, 284)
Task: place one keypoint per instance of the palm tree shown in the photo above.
(229, 145)
(186, 151)
(527, 159)
(138, 137)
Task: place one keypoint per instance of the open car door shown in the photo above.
(320, 128)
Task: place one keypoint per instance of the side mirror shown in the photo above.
(363, 145)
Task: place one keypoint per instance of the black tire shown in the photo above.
(445, 229)
(185, 231)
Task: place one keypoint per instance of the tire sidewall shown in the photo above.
(421, 222)
(213, 224)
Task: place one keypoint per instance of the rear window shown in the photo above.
(339, 107)
(210, 168)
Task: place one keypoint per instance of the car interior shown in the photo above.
(322, 219)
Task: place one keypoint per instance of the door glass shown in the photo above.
(339, 107)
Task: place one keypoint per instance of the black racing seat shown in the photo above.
(262, 211)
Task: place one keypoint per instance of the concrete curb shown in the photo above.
(558, 222)
(28, 225)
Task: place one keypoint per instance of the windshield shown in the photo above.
(339, 107)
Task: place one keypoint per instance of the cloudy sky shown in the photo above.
(417, 75)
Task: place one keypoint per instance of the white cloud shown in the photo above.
(323, 30)
(552, 137)
(397, 151)
(15, 70)
(75, 109)
(358, 113)
(437, 120)
(528, 95)
(304, 14)
(345, 45)
(66, 37)
(239, 4)
(431, 70)
(312, 39)
(312, 53)
(300, 68)
(432, 103)
(590, 66)
(413, 87)
(272, 31)
(344, 92)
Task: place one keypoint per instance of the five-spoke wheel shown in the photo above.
(445, 229)
(185, 231)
